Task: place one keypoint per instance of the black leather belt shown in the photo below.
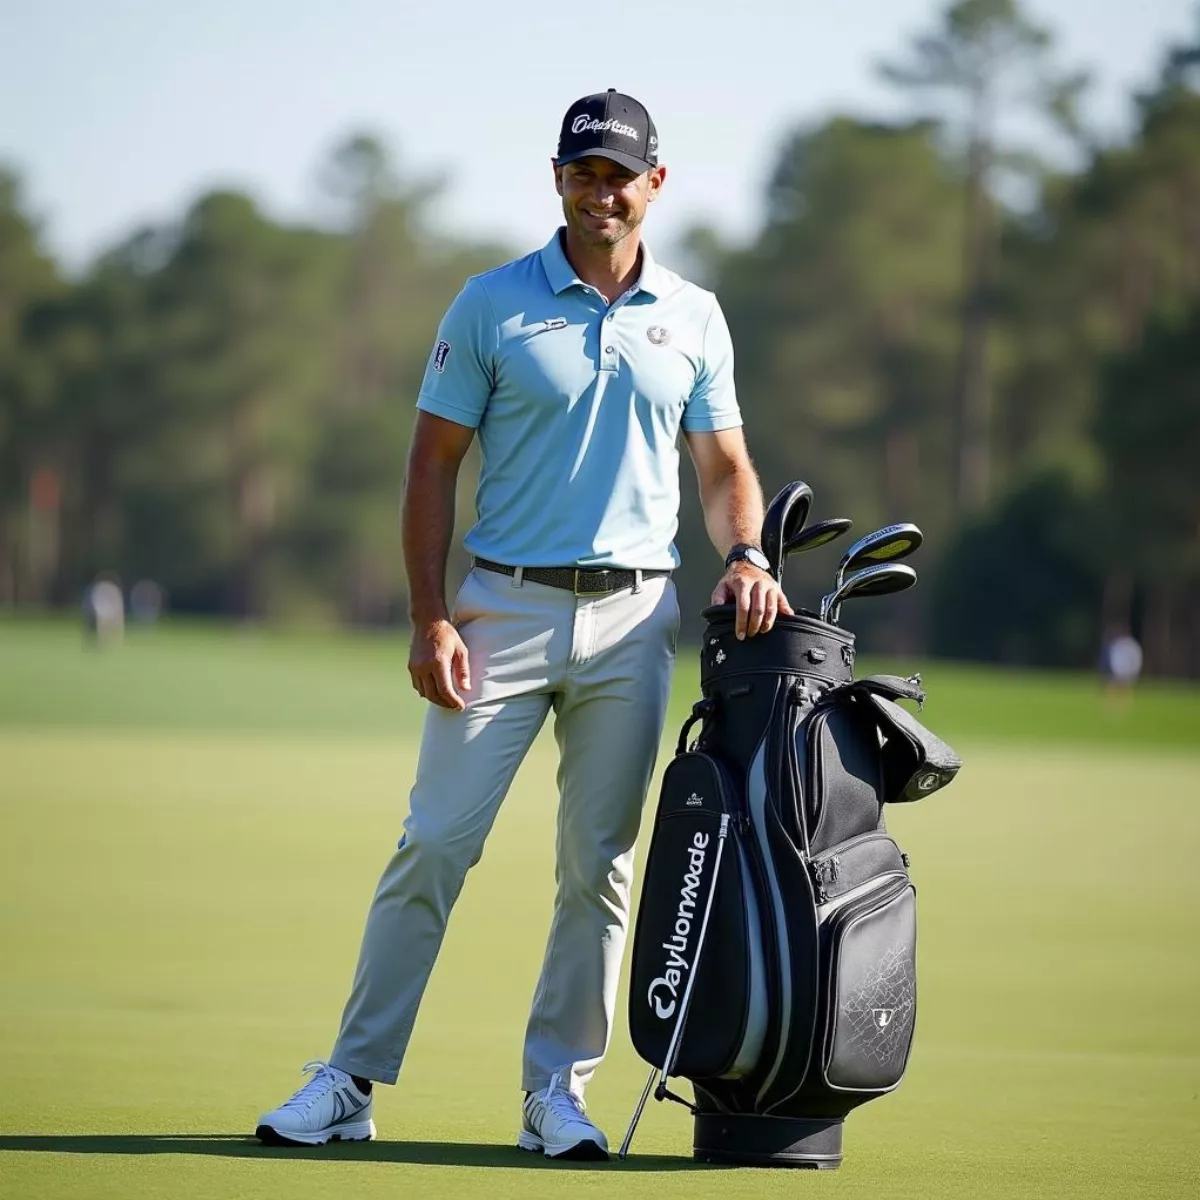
(583, 581)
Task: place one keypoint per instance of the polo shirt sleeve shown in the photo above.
(461, 370)
(713, 403)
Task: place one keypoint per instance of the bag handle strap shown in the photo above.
(701, 710)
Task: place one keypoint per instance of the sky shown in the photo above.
(121, 113)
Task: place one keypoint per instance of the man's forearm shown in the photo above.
(733, 509)
(427, 525)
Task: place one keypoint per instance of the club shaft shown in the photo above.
(684, 1004)
(637, 1113)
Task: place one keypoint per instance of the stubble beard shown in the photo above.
(606, 238)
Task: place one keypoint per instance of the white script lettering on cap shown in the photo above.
(584, 123)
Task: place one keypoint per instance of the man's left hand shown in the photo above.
(758, 597)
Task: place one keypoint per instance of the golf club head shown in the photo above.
(785, 517)
(879, 580)
(884, 545)
(816, 535)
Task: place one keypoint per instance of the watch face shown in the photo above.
(751, 554)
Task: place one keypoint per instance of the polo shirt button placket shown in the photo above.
(609, 358)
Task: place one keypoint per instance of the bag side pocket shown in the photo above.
(728, 1005)
(848, 865)
(845, 775)
(871, 1003)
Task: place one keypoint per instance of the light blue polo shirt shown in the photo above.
(578, 407)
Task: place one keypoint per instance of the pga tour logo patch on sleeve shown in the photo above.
(440, 354)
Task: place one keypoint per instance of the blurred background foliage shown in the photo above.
(931, 325)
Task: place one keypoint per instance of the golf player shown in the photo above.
(576, 367)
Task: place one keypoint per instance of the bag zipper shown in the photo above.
(797, 698)
(816, 778)
(834, 909)
(826, 868)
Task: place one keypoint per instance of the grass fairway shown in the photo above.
(192, 829)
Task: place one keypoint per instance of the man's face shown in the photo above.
(603, 201)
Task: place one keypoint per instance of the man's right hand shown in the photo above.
(437, 663)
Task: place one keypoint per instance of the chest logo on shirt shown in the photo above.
(658, 335)
(440, 354)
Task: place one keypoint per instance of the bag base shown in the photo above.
(742, 1139)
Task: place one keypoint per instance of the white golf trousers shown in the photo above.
(603, 665)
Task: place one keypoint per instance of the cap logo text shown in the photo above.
(585, 124)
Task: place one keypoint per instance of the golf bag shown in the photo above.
(774, 955)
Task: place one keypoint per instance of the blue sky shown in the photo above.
(121, 112)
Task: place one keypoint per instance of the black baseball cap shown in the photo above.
(611, 125)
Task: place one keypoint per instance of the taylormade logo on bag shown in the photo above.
(663, 994)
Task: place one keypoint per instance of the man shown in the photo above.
(577, 367)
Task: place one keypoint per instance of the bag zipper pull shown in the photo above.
(825, 871)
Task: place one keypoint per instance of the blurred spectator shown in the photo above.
(104, 612)
(1120, 665)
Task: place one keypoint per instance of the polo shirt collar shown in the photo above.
(561, 275)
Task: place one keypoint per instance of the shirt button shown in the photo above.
(609, 317)
(608, 349)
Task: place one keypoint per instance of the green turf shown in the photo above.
(215, 678)
(182, 886)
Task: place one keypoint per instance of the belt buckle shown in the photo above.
(601, 591)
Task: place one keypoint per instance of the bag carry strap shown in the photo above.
(700, 711)
(662, 1092)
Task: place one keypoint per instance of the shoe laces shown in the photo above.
(560, 1100)
(323, 1079)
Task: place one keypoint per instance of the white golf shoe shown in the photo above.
(554, 1122)
(329, 1107)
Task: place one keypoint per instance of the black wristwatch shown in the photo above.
(745, 552)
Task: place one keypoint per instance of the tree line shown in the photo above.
(931, 324)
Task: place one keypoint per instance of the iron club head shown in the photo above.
(879, 580)
(888, 544)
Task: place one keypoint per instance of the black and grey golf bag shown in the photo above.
(786, 993)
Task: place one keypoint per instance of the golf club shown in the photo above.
(884, 545)
(784, 519)
(879, 580)
(812, 537)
